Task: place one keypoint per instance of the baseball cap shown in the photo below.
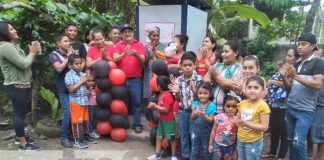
(309, 37)
(125, 26)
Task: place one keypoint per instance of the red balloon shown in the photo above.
(118, 134)
(117, 77)
(103, 127)
(125, 111)
(117, 106)
(165, 143)
(112, 65)
(151, 124)
(153, 83)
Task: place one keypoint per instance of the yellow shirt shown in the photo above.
(252, 115)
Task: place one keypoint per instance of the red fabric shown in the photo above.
(94, 52)
(173, 60)
(166, 101)
(201, 67)
(176, 106)
(129, 64)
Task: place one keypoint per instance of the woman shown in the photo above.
(15, 66)
(100, 50)
(114, 35)
(154, 50)
(222, 74)
(181, 44)
(88, 39)
(206, 55)
(277, 102)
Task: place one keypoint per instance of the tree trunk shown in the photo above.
(311, 16)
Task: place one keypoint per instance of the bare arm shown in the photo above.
(263, 126)
(90, 62)
(74, 87)
(60, 66)
(315, 83)
(158, 108)
(212, 134)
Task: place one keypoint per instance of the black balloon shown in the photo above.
(156, 116)
(119, 92)
(103, 99)
(102, 69)
(103, 84)
(126, 122)
(152, 115)
(159, 67)
(117, 121)
(102, 113)
(175, 71)
(153, 133)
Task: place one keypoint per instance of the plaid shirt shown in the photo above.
(80, 95)
(187, 87)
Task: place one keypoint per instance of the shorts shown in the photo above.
(79, 113)
(167, 129)
(317, 128)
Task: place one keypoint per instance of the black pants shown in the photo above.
(278, 132)
(20, 98)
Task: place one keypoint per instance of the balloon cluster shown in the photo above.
(111, 112)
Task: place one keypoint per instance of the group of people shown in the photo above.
(218, 105)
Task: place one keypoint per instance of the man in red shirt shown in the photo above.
(129, 55)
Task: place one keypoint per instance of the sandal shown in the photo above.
(268, 155)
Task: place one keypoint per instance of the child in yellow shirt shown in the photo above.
(252, 120)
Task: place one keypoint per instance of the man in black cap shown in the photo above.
(303, 81)
(129, 56)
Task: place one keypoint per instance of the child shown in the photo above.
(184, 87)
(166, 126)
(222, 141)
(252, 120)
(75, 81)
(202, 117)
(92, 106)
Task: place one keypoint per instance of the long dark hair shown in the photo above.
(183, 40)
(4, 31)
(213, 41)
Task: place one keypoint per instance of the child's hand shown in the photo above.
(210, 149)
(151, 105)
(237, 120)
(174, 88)
(235, 154)
(85, 78)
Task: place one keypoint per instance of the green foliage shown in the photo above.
(49, 96)
(278, 4)
(246, 11)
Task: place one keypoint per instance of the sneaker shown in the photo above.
(174, 158)
(66, 143)
(28, 147)
(268, 155)
(138, 129)
(89, 139)
(29, 140)
(94, 134)
(80, 145)
(153, 157)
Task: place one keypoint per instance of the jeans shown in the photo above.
(298, 123)
(92, 125)
(249, 150)
(21, 103)
(200, 134)
(184, 126)
(133, 99)
(278, 132)
(64, 101)
(223, 152)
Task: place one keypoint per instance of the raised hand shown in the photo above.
(174, 88)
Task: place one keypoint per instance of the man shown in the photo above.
(71, 31)
(303, 81)
(129, 57)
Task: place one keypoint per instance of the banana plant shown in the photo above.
(49, 97)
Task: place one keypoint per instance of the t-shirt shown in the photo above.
(94, 52)
(59, 77)
(301, 97)
(79, 48)
(129, 64)
(208, 110)
(252, 115)
(226, 130)
(166, 101)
